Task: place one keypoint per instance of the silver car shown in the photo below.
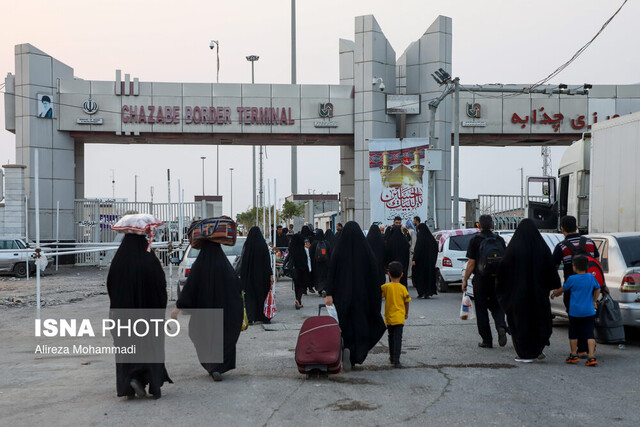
(620, 260)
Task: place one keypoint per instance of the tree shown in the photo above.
(248, 217)
(291, 209)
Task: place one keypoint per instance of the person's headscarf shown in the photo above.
(376, 242)
(425, 255)
(328, 236)
(318, 234)
(136, 280)
(353, 284)
(213, 283)
(306, 232)
(255, 274)
(526, 275)
(397, 249)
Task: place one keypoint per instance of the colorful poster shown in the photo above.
(398, 179)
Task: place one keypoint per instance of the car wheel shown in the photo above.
(442, 285)
(20, 270)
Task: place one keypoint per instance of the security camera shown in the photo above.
(378, 81)
(212, 45)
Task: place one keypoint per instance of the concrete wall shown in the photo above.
(424, 56)
(38, 73)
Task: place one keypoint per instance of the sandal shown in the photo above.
(572, 359)
(298, 305)
(591, 362)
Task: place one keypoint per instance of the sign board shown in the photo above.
(403, 104)
(398, 177)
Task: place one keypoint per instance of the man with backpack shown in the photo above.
(572, 245)
(485, 252)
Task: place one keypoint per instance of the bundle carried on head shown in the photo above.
(221, 230)
(142, 224)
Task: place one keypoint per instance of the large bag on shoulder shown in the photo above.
(609, 327)
(490, 255)
(218, 230)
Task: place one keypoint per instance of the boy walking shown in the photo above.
(585, 290)
(396, 310)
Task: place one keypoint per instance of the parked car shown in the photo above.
(620, 260)
(13, 261)
(190, 254)
(452, 250)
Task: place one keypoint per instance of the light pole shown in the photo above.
(135, 187)
(216, 44)
(253, 59)
(203, 158)
(294, 149)
(231, 198)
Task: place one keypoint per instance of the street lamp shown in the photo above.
(135, 194)
(203, 158)
(216, 44)
(253, 59)
(231, 198)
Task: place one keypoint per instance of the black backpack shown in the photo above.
(490, 255)
(322, 252)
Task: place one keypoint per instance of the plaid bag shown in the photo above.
(219, 230)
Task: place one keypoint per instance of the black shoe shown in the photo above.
(217, 376)
(502, 337)
(485, 345)
(138, 388)
(397, 365)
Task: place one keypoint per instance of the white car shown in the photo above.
(190, 255)
(620, 260)
(452, 251)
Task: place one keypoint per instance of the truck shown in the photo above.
(598, 181)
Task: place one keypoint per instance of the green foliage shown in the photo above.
(291, 209)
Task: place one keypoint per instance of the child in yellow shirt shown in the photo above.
(396, 310)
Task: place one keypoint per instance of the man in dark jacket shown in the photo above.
(484, 289)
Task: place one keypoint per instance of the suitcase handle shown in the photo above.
(320, 308)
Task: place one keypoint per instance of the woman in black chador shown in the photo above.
(213, 283)
(301, 263)
(397, 249)
(376, 242)
(320, 252)
(353, 287)
(328, 236)
(424, 262)
(526, 275)
(256, 275)
(136, 281)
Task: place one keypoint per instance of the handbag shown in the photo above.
(609, 327)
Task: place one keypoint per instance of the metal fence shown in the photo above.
(507, 211)
(93, 219)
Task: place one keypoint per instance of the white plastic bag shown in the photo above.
(331, 309)
(466, 308)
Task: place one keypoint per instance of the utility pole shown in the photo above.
(216, 44)
(294, 149)
(545, 151)
(231, 198)
(456, 155)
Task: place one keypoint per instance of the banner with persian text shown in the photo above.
(398, 179)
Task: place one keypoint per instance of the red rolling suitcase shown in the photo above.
(319, 347)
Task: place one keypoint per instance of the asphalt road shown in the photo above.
(447, 379)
